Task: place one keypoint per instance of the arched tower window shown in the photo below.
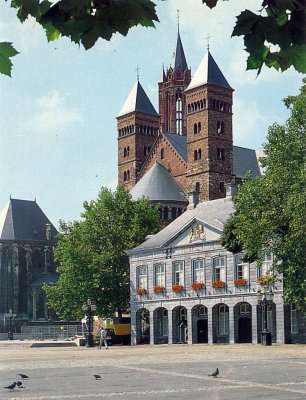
(162, 154)
(179, 114)
(197, 187)
(195, 128)
(199, 127)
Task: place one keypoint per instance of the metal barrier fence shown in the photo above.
(55, 332)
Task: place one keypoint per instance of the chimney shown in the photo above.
(193, 198)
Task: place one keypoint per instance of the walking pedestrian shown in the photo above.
(103, 338)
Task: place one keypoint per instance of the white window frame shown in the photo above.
(219, 268)
(178, 270)
(265, 267)
(242, 268)
(198, 271)
(294, 320)
(159, 275)
(223, 319)
(164, 323)
(142, 277)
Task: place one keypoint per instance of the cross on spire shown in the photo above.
(207, 39)
(178, 19)
(137, 72)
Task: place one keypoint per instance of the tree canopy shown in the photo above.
(91, 254)
(279, 23)
(271, 210)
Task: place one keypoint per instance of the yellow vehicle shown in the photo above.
(118, 329)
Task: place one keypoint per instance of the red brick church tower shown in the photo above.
(172, 100)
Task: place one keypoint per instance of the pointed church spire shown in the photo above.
(163, 74)
(179, 55)
(137, 101)
(208, 72)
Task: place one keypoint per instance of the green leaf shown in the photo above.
(6, 52)
(299, 57)
(210, 3)
(245, 23)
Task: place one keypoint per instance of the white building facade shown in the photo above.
(186, 288)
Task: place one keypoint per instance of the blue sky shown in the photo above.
(58, 134)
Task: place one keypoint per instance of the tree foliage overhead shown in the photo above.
(271, 210)
(279, 22)
(91, 254)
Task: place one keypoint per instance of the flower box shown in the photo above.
(218, 284)
(177, 288)
(266, 280)
(240, 282)
(159, 289)
(141, 291)
(197, 285)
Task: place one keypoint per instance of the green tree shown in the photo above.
(279, 22)
(271, 210)
(91, 254)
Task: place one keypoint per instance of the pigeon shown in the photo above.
(215, 374)
(23, 376)
(19, 384)
(10, 387)
(97, 376)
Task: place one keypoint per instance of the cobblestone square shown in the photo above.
(154, 372)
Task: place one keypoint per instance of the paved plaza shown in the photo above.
(154, 372)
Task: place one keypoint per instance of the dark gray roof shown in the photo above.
(178, 142)
(245, 160)
(23, 220)
(45, 279)
(208, 72)
(158, 185)
(212, 213)
(180, 59)
(138, 101)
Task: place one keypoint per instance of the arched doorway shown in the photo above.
(220, 317)
(271, 321)
(179, 325)
(199, 324)
(243, 322)
(161, 334)
(143, 326)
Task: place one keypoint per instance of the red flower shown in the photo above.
(177, 288)
(141, 291)
(240, 282)
(197, 285)
(159, 289)
(218, 284)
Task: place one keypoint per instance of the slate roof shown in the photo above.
(45, 279)
(179, 58)
(23, 220)
(213, 213)
(208, 72)
(245, 160)
(178, 142)
(137, 101)
(158, 185)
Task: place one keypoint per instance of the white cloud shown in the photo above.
(52, 113)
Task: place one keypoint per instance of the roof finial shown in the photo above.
(137, 72)
(178, 20)
(207, 38)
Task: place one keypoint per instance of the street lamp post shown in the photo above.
(265, 301)
(10, 315)
(88, 307)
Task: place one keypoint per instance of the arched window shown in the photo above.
(174, 213)
(162, 154)
(195, 128)
(188, 108)
(244, 308)
(197, 187)
(124, 176)
(223, 320)
(128, 175)
(199, 154)
(195, 155)
(124, 152)
(128, 151)
(222, 127)
(179, 114)
(166, 213)
(201, 104)
(199, 127)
